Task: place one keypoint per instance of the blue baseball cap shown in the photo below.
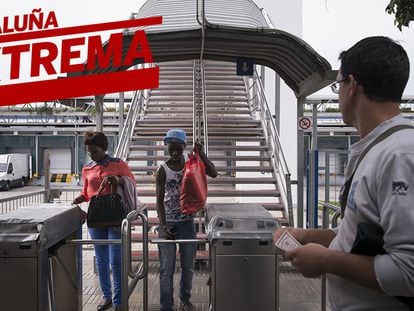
(175, 136)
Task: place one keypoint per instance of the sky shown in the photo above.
(329, 26)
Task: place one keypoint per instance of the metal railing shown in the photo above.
(204, 107)
(137, 108)
(258, 104)
(127, 271)
(14, 202)
(200, 126)
(328, 220)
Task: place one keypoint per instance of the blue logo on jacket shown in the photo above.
(351, 197)
(399, 188)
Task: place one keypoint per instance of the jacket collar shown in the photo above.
(104, 162)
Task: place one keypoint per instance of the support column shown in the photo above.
(37, 154)
(313, 180)
(121, 110)
(300, 164)
(99, 112)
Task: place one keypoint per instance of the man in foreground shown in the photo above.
(370, 84)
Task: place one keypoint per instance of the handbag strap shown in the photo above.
(105, 184)
(384, 135)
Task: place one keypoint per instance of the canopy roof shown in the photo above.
(233, 29)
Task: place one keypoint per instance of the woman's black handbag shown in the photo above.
(105, 210)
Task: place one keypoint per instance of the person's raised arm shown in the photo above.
(210, 167)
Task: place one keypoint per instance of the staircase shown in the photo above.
(237, 142)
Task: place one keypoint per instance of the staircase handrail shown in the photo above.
(195, 101)
(199, 104)
(205, 124)
(136, 108)
(279, 162)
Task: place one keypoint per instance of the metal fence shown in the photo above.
(331, 172)
(12, 203)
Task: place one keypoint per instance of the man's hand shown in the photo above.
(198, 147)
(309, 260)
(298, 233)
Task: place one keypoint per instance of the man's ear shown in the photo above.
(353, 87)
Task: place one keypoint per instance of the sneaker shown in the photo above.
(188, 306)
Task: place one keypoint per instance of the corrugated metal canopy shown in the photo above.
(233, 29)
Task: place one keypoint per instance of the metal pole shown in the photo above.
(99, 112)
(46, 168)
(126, 260)
(277, 281)
(325, 225)
(277, 102)
(194, 100)
(313, 202)
(205, 119)
(327, 188)
(52, 303)
(125, 229)
(300, 164)
(184, 241)
(37, 153)
(121, 112)
(262, 75)
(76, 153)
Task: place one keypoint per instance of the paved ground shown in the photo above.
(296, 292)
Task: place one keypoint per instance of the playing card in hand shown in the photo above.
(287, 242)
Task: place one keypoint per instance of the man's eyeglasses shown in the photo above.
(335, 85)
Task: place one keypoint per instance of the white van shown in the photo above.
(14, 170)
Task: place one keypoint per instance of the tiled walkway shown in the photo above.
(296, 292)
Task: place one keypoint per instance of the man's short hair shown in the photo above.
(379, 65)
(95, 138)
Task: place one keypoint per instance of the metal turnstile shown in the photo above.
(243, 257)
(36, 274)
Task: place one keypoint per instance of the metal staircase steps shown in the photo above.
(221, 193)
(213, 139)
(211, 148)
(167, 123)
(213, 158)
(213, 132)
(144, 180)
(236, 139)
(259, 169)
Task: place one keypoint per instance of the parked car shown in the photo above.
(14, 170)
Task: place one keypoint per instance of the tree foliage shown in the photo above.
(403, 11)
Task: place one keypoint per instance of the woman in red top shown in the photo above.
(104, 168)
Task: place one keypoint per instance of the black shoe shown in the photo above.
(105, 304)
